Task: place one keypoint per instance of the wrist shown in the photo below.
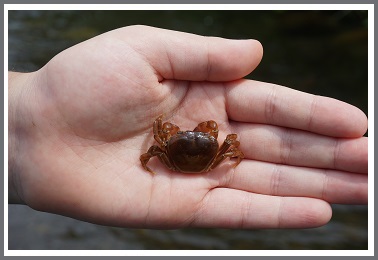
(19, 115)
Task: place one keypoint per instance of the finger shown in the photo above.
(282, 180)
(185, 56)
(229, 208)
(300, 148)
(258, 102)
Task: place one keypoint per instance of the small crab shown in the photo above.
(194, 151)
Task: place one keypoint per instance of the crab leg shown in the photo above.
(155, 151)
(157, 130)
(229, 149)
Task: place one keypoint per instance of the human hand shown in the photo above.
(78, 126)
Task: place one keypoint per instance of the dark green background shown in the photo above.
(321, 52)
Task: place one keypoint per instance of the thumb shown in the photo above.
(185, 56)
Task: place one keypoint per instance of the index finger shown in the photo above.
(259, 102)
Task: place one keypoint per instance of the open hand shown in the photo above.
(78, 126)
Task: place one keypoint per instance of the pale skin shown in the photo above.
(78, 125)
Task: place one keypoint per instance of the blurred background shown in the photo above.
(320, 52)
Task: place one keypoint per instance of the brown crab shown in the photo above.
(194, 151)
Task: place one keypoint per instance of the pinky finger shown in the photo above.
(229, 208)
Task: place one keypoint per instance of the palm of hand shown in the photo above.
(98, 121)
(106, 123)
